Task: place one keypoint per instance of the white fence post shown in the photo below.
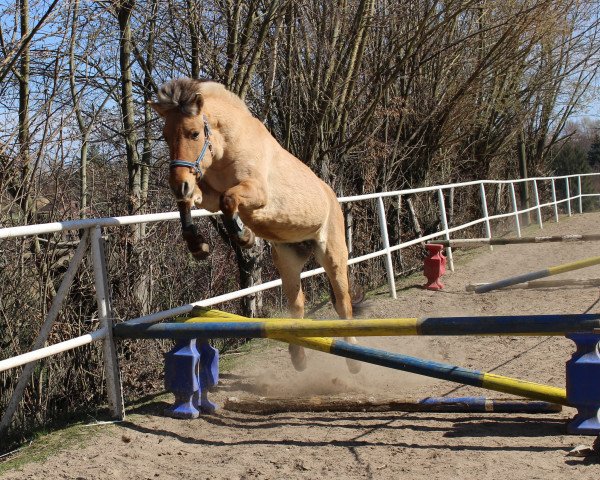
(349, 224)
(579, 193)
(389, 266)
(484, 208)
(513, 199)
(568, 193)
(444, 220)
(554, 201)
(111, 367)
(537, 204)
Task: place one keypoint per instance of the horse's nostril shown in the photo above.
(186, 189)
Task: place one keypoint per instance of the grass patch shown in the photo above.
(46, 443)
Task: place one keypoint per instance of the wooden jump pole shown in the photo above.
(527, 277)
(473, 242)
(271, 405)
(270, 328)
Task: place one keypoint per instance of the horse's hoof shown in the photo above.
(202, 253)
(354, 366)
(298, 357)
(246, 239)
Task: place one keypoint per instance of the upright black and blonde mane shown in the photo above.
(182, 94)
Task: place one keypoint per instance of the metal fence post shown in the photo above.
(349, 224)
(568, 193)
(111, 367)
(579, 193)
(513, 199)
(484, 208)
(386, 245)
(554, 201)
(444, 221)
(537, 204)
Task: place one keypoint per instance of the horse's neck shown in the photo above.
(235, 129)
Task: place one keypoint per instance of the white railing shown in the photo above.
(92, 228)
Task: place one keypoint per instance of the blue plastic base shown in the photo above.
(191, 368)
(583, 384)
(183, 408)
(585, 423)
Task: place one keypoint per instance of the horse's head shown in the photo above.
(187, 134)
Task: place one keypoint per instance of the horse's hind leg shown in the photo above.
(289, 260)
(333, 257)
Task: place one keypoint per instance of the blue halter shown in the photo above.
(197, 164)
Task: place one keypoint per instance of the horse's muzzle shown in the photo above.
(184, 190)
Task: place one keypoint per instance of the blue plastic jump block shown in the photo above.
(181, 378)
(208, 376)
(583, 384)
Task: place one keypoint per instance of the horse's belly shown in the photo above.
(283, 227)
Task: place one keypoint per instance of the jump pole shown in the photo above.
(430, 368)
(567, 282)
(474, 242)
(321, 403)
(240, 327)
(527, 277)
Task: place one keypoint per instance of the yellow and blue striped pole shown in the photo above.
(429, 368)
(527, 277)
(239, 327)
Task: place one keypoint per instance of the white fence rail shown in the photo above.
(92, 228)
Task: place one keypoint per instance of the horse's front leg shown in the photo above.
(248, 195)
(195, 242)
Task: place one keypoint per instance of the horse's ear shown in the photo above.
(199, 102)
(158, 108)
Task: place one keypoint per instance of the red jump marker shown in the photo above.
(434, 266)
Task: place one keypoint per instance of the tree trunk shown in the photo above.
(134, 200)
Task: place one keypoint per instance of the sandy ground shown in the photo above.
(428, 446)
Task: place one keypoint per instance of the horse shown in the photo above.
(223, 158)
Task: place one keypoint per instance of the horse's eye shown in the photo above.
(195, 135)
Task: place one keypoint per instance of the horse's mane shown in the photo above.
(182, 93)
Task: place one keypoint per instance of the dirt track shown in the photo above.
(374, 445)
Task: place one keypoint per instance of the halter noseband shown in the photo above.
(196, 165)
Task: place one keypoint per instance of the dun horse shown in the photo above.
(222, 158)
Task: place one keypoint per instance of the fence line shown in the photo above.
(93, 225)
